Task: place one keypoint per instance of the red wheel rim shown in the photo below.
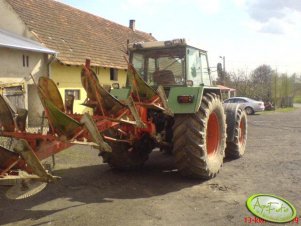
(213, 134)
(242, 131)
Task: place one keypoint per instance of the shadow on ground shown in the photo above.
(98, 184)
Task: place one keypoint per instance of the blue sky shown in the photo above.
(247, 32)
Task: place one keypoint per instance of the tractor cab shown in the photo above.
(170, 63)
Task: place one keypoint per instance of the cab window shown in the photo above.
(197, 67)
(161, 66)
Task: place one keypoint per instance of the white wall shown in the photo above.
(10, 21)
(12, 71)
(11, 63)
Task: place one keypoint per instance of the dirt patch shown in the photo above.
(90, 193)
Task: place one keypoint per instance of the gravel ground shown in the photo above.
(90, 193)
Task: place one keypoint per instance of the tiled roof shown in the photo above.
(77, 35)
(225, 88)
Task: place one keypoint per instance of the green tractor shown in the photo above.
(169, 103)
(195, 126)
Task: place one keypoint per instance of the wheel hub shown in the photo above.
(213, 134)
(241, 132)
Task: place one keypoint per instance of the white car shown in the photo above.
(251, 106)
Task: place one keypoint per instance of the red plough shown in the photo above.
(119, 129)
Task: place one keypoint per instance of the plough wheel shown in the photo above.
(124, 156)
(200, 139)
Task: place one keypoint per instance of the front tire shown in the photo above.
(200, 139)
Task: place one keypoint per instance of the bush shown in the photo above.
(297, 99)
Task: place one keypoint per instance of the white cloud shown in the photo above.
(273, 26)
(263, 10)
(209, 6)
(146, 5)
(275, 16)
(206, 6)
(240, 3)
(252, 25)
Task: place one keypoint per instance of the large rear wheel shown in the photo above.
(199, 139)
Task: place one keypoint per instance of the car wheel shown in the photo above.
(249, 111)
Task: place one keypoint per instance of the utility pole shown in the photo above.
(275, 102)
(224, 63)
(276, 75)
(224, 69)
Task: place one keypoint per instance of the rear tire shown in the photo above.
(200, 139)
(236, 147)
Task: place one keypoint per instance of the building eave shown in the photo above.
(13, 41)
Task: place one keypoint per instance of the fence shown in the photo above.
(283, 102)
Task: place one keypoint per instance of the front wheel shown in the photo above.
(200, 139)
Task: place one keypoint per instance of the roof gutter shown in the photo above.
(50, 61)
(28, 49)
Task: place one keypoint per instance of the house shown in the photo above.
(227, 92)
(20, 57)
(76, 35)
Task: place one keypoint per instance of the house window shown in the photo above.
(15, 93)
(113, 74)
(25, 61)
(13, 90)
(74, 92)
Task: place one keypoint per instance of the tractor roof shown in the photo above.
(161, 44)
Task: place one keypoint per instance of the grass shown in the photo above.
(297, 99)
(288, 109)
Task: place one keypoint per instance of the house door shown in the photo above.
(15, 94)
(35, 107)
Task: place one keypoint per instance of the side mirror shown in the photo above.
(219, 68)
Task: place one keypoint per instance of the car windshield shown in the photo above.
(161, 66)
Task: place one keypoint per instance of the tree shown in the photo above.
(283, 89)
(263, 84)
(261, 79)
(241, 82)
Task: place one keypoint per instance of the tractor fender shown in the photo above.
(196, 94)
(231, 111)
(193, 93)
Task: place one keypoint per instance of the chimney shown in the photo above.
(132, 24)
